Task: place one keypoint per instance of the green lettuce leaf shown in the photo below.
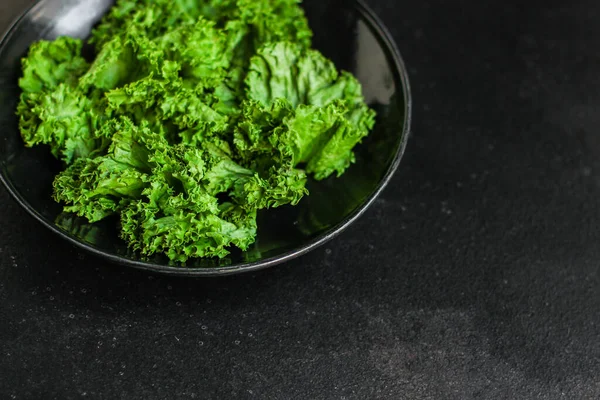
(49, 64)
(330, 116)
(186, 234)
(285, 70)
(97, 187)
(200, 49)
(63, 118)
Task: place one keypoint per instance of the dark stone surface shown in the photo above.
(475, 276)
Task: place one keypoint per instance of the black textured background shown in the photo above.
(475, 276)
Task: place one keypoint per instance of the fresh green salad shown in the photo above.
(191, 116)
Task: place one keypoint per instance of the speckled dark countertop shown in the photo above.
(475, 276)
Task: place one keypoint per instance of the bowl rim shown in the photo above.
(384, 35)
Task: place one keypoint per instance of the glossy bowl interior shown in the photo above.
(345, 31)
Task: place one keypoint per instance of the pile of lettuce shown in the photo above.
(191, 117)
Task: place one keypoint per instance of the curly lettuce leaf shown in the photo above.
(191, 112)
(97, 187)
(112, 67)
(286, 70)
(263, 145)
(330, 117)
(200, 49)
(259, 22)
(52, 110)
(186, 234)
(166, 104)
(128, 58)
(50, 63)
(277, 20)
(272, 19)
(156, 17)
(337, 153)
(64, 119)
(326, 136)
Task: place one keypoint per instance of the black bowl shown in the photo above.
(345, 31)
